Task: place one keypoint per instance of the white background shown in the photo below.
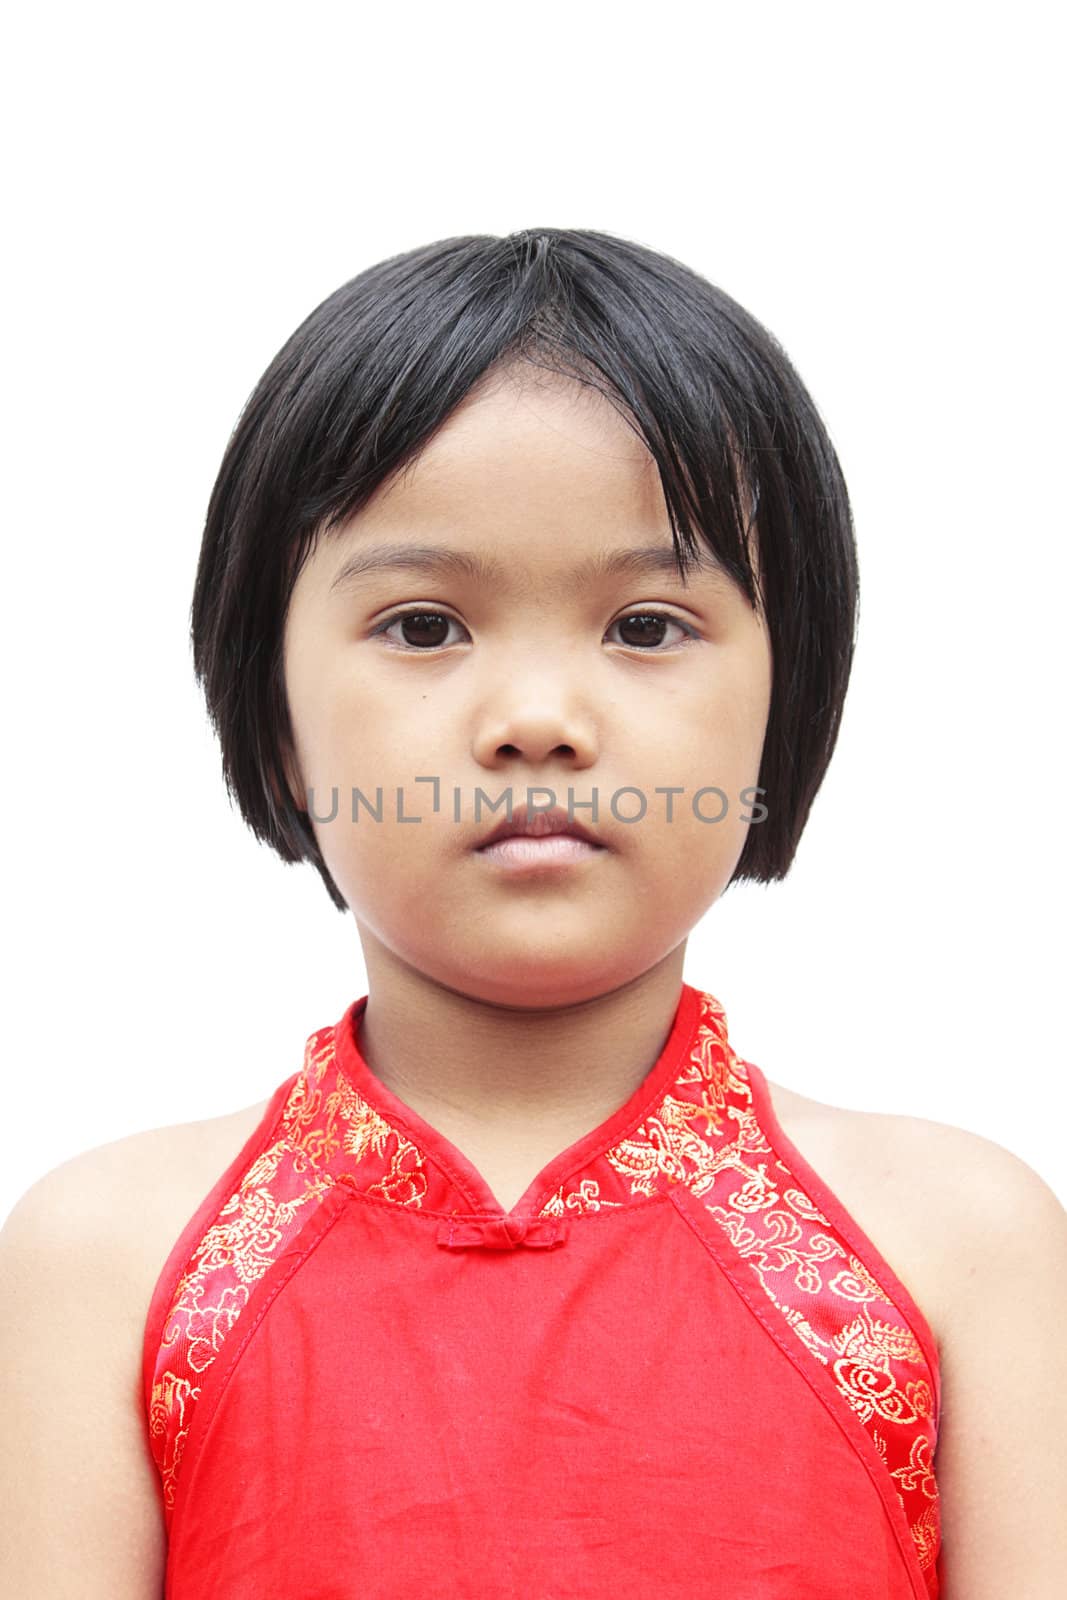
(878, 187)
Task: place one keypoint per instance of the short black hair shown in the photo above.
(362, 385)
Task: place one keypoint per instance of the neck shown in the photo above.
(479, 1065)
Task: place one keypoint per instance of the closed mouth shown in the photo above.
(554, 824)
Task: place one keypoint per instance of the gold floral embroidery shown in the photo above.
(325, 1129)
(829, 1298)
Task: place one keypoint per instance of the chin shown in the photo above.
(528, 983)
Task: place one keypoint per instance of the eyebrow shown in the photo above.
(646, 560)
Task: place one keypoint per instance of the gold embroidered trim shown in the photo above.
(706, 1134)
(324, 1130)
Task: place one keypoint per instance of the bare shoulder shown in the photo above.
(195, 1155)
(79, 1256)
(130, 1198)
(924, 1192)
(980, 1240)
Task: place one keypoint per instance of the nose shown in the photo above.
(536, 715)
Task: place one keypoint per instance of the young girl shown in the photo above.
(525, 613)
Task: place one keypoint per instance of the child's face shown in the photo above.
(532, 680)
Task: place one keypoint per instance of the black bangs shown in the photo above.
(365, 382)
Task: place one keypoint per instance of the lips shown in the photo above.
(538, 825)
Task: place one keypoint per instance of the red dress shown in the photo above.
(677, 1367)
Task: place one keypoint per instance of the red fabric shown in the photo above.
(676, 1366)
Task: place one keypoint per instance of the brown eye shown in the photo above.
(645, 629)
(421, 630)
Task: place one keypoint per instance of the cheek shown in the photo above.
(713, 736)
(382, 868)
(736, 717)
(345, 735)
(709, 750)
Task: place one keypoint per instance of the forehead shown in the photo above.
(534, 477)
(529, 450)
